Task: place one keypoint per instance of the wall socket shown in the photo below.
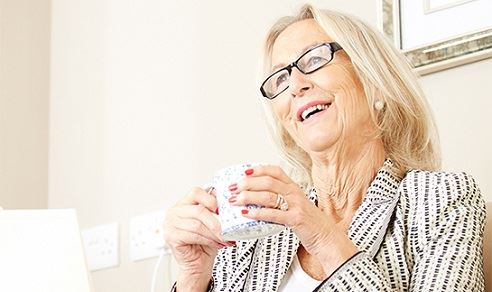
(101, 246)
(147, 236)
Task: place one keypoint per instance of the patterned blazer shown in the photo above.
(421, 233)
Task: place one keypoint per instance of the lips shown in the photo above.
(311, 108)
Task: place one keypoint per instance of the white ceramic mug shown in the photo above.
(234, 225)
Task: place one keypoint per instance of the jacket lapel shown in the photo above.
(371, 220)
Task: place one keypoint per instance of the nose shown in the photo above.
(298, 83)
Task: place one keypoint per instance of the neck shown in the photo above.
(342, 181)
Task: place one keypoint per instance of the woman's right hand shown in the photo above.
(192, 231)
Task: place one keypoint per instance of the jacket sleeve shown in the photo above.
(448, 253)
(446, 238)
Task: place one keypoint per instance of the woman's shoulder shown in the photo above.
(438, 207)
(431, 197)
(435, 185)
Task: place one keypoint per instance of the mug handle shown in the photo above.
(209, 189)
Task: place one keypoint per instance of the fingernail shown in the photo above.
(232, 199)
(217, 211)
(233, 187)
(244, 211)
(249, 171)
(232, 243)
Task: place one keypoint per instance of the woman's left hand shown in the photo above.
(315, 229)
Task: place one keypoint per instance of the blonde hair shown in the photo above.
(406, 126)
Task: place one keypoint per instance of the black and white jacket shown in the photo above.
(421, 233)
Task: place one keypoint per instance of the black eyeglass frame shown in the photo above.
(333, 46)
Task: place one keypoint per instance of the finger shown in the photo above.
(262, 183)
(195, 226)
(199, 196)
(200, 213)
(269, 170)
(194, 193)
(265, 199)
(267, 214)
(182, 237)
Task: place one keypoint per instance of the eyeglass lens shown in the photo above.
(309, 62)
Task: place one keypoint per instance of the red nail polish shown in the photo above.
(244, 211)
(233, 187)
(248, 171)
(231, 243)
(232, 199)
(217, 211)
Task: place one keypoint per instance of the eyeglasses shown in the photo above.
(309, 62)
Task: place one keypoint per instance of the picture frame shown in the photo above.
(439, 54)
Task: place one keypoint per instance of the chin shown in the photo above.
(321, 136)
(319, 143)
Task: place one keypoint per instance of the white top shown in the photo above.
(296, 279)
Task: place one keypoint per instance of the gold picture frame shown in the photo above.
(439, 55)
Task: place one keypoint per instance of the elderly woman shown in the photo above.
(368, 209)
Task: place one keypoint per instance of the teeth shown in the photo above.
(311, 109)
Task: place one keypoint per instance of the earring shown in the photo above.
(379, 105)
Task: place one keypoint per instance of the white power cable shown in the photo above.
(156, 269)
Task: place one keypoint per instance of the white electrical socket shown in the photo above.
(101, 246)
(146, 236)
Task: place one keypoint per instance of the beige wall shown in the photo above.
(148, 98)
(24, 94)
(461, 99)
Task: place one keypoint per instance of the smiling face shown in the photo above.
(320, 108)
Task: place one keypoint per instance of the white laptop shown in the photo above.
(41, 251)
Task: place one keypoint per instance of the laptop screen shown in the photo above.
(41, 250)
